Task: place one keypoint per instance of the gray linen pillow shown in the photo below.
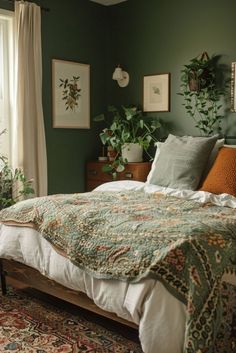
(181, 161)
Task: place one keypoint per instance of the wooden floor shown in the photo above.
(127, 332)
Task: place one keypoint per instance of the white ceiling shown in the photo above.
(108, 2)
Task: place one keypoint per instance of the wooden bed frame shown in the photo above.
(26, 277)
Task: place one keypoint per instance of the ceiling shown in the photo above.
(108, 2)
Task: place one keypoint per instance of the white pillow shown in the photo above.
(219, 143)
(154, 163)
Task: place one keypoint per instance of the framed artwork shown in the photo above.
(71, 94)
(233, 87)
(156, 93)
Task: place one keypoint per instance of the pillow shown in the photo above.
(154, 166)
(222, 176)
(181, 161)
(210, 162)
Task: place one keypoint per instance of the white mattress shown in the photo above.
(160, 316)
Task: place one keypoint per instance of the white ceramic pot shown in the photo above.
(133, 152)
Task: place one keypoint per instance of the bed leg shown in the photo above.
(3, 279)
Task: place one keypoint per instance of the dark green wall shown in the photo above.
(159, 36)
(145, 37)
(73, 30)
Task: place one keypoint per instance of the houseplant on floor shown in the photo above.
(203, 93)
(127, 129)
(13, 184)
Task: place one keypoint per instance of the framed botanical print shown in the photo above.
(156, 93)
(71, 94)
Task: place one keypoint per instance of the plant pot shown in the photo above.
(133, 152)
(193, 85)
(197, 83)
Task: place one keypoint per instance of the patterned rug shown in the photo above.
(30, 325)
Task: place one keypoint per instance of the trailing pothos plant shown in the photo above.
(126, 125)
(13, 184)
(202, 93)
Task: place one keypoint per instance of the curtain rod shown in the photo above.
(42, 8)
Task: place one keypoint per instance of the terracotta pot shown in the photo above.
(193, 85)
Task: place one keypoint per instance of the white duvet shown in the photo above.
(160, 316)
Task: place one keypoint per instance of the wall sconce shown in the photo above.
(122, 77)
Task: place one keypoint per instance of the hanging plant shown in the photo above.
(202, 94)
(198, 73)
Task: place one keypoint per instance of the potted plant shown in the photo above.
(13, 183)
(202, 93)
(128, 134)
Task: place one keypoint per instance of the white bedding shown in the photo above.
(160, 316)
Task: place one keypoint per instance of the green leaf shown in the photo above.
(113, 126)
(129, 116)
(120, 168)
(148, 138)
(155, 124)
(115, 142)
(107, 168)
(104, 137)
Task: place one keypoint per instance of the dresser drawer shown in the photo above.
(94, 172)
(133, 171)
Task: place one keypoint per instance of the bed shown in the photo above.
(180, 295)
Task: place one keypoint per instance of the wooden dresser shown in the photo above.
(133, 171)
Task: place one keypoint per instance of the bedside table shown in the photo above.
(133, 171)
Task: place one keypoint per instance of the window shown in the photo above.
(6, 80)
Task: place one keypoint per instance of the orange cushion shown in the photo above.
(222, 176)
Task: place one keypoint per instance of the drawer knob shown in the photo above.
(129, 175)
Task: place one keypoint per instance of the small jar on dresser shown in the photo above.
(133, 171)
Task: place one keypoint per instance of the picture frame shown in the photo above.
(233, 87)
(156, 93)
(70, 94)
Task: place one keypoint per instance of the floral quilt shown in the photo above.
(132, 235)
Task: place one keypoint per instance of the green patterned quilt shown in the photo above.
(132, 235)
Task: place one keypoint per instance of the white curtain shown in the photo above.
(29, 150)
